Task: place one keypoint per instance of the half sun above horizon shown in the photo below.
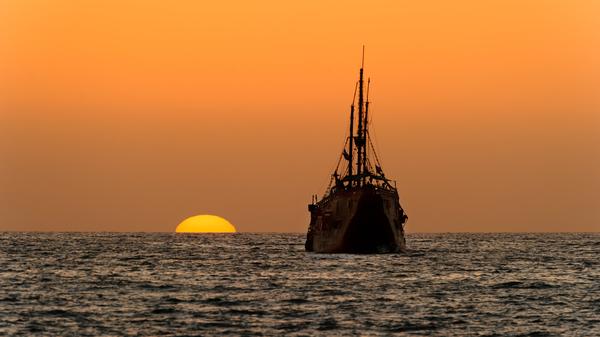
(205, 224)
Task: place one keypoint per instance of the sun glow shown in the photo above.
(205, 224)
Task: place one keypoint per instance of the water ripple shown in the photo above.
(265, 284)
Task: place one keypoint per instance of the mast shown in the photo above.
(351, 140)
(360, 139)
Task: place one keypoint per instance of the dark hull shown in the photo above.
(362, 220)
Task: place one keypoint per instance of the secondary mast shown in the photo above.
(351, 138)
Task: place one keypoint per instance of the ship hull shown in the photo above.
(363, 220)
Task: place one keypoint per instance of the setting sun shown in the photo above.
(205, 224)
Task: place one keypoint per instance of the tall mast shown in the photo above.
(360, 140)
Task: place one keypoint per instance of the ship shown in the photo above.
(360, 211)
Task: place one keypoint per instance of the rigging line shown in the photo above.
(332, 177)
(375, 143)
(368, 162)
(375, 153)
(354, 96)
(337, 164)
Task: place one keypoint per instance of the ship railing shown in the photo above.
(386, 187)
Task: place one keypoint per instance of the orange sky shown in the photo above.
(133, 115)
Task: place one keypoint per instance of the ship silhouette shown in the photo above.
(360, 211)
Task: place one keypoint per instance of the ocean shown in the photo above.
(146, 284)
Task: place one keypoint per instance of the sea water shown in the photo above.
(266, 284)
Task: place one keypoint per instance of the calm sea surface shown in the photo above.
(265, 284)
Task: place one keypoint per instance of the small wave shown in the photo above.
(164, 311)
(221, 301)
(408, 326)
(247, 312)
(537, 334)
(173, 300)
(541, 285)
(523, 285)
(297, 300)
(62, 313)
(9, 299)
(150, 286)
(328, 324)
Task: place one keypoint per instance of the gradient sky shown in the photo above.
(133, 115)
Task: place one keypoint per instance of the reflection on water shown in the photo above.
(255, 284)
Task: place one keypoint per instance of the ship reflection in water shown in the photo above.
(360, 212)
